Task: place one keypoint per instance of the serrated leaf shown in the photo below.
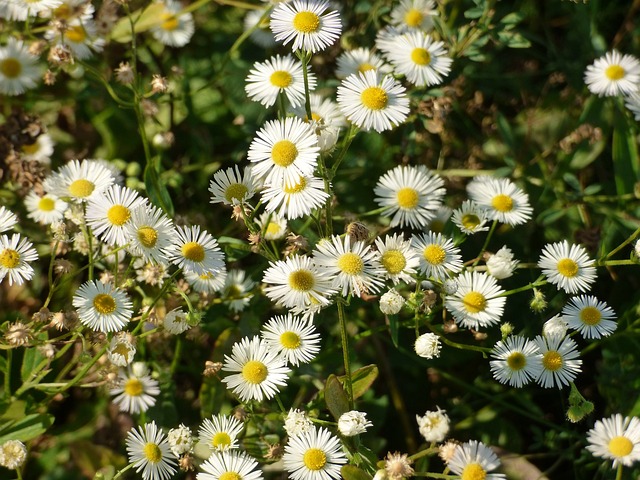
(349, 472)
(27, 428)
(335, 397)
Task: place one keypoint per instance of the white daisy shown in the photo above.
(284, 150)
(470, 218)
(357, 61)
(297, 199)
(278, 75)
(423, 61)
(230, 465)
(15, 254)
(272, 226)
(195, 251)
(230, 187)
(434, 425)
(237, 290)
(501, 198)
(18, 68)
(209, 282)
(295, 339)
(102, 307)
(174, 29)
(477, 302)
(256, 371)
(439, 257)
(591, 317)
(397, 258)
(135, 392)
(386, 37)
(313, 455)
(428, 346)
(307, 23)
(150, 233)
(40, 150)
(410, 194)
(8, 219)
(70, 9)
(517, 361)
(474, 460)
(150, 453)
(79, 181)
(567, 266)
(353, 423)
(560, 360)
(33, 8)
(501, 264)
(414, 14)
(220, 432)
(373, 101)
(261, 35)
(121, 351)
(326, 120)
(616, 438)
(46, 209)
(353, 267)
(613, 74)
(80, 36)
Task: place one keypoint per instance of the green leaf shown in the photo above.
(475, 12)
(335, 397)
(26, 429)
(513, 39)
(32, 362)
(362, 379)
(511, 18)
(144, 20)
(625, 154)
(349, 472)
(394, 326)
(157, 192)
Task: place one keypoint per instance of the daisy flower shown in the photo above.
(195, 251)
(592, 318)
(501, 264)
(373, 101)
(517, 361)
(256, 371)
(473, 459)
(284, 150)
(121, 351)
(150, 453)
(427, 346)
(353, 423)
(357, 61)
(616, 438)
(353, 267)
(237, 290)
(102, 307)
(230, 187)
(567, 266)
(261, 34)
(209, 282)
(174, 29)
(176, 321)
(18, 68)
(79, 181)
(46, 209)
(295, 339)
(560, 360)
(313, 455)
(439, 257)
(613, 74)
(13, 454)
(297, 199)
(434, 425)
(80, 36)
(477, 302)
(410, 194)
(15, 254)
(8, 219)
(326, 120)
(40, 150)
(32, 8)
(470, 218)
(307, 23)
(272, 226)
(501, 198)
(414, 14)
(231, 464)
(296, 283)
(220, 432)
(136, 391)
(278, 75)
(397, 258)
(150, 233)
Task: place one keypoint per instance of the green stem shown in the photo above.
(54, 248)
(281, 405)
(304, 58)
(125, 469)
(177, 354)
(346, 143)
(538, 283)
(486, 242)
(424, 453)
(619, 472)
(623, 244)
(344, 335)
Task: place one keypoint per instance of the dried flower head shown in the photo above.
(124, 73)
(159, 84)
(18, 334)
(398, 466)
(211, 369)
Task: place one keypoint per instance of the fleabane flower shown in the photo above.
(477, 303)
(427, 346)
(589, 316)
(501, 264)
(272, 226)
(13, 453)
(195, 251)
(353, 423)
(150, 453)
(220, 432)
(414, 15)
(397, 258)
(121, 350)
(313, 455)
(40, 150)
(613, 74)
(16, 253)
(293, 338)
(516, 361)
(18, 68)
(173, 28)
(79, 181)
(560, 361)
(567, 266)
(501, 198)
(80, 36)
(136, 390)
(439, 257)
(231, 187)
(470, 218)
(433, 425)
(296, 199)
(297, 422)
(209, 282)
(616, 438)
(357, 61)
(326, 120)
(102, 307)
(8, 219)
(261, 35)
(45, 209)
(230, 464)
(474, 460)
(150, 233)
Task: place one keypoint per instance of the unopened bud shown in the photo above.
(538, 303)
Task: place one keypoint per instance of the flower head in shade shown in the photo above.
(516, 361)
(371, 100)
(80, 36)
(567, 266)
(439, 258)
(501, 264)
(589, 316)
(353, 423)
(313, 455)
(434, 425)
(613, 74)
(272, 226)
(16, 253)
(297, 199)
(8, 219)
(278, 76)
(307, 23)
(326, 120)
(102, 307)
(230, 465)
(357, 61)
(18, 68)
(220, 432)
(173, 28)
(477, 302)
(231, 187)
(176, 321)
(136, 390)
(150, 234)
(256, 372)
(470, 218)
(501, 198)
(13, 454)
(79, 181)
(40, 150)
(196, 251)
(616, 438)
(294, 338)
(297, 422)
(414, 15)
(560, 361)
(556, 325)
(474, 460)
(209, 282)
(150, 453)
(397, 258)
(45, 209)
(428, 346)
(237, 289)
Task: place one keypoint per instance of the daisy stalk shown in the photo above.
(344, 337)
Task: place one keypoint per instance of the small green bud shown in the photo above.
(506, 329)
(575, 414)
(538, 303)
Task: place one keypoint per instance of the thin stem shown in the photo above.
(177, 354)
(7, 375)
(304, 58)
(623, 244)
(125, 469)
(54, 248)
(344, 335)
(280, 404)
(486, 242)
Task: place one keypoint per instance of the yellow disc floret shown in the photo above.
(350, 263)
(374, 98)
(408, 198)
(104, 303)
(148, 236)
(152, 452)
(133, 387)
(301, 280)
(552, 360)
(434, 254)
(314, 459)
(9, 258)
(81, 188)
(254, 372)
(473, 471)
(474, 302)
(193, 251)
(306, 22)
(10, 68)
(421, 56)
(516, 361)
(290, 340)
(281, 79)
(567, 268)
(620, 446)
(284, 153)
(614, 72)
(393, 261)
(413, 17)
(118, 215)
(502, 203)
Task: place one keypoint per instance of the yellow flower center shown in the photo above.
(516, 361)
(148, 236)
(408, 198)
(284, 153)
(281, 79)
(474, 302)
(193, 251)
(314, 116)
(290, 340)
(614, 72)
(272, 229)
(470, 221)
(104, 303)
(590, 315)
(421, 56)
(393, 261)
(236, 191)
(502, 203)
(133, 387)
(81, 188)
(314, 459)
(365, 67)
(229, 476)
(9, 258)
(295, 188)
(254, 372)
(413, 17)
(152, 452)
(63, 12)
(30, 149)
(434, 254)
(46, 204)
(301, 280)
(10, 67)
(620, 446)
(306, 22)
(118, 215)
(552, 360)
(169, 22)
(473, 471)
(221, 440)
(75, 34)
(121, 349)
(374, 98)
(567, 268)
(350, 263)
